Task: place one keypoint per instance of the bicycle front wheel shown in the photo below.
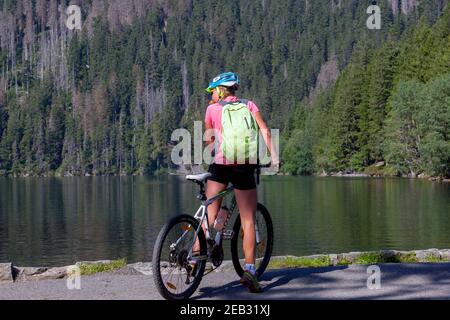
(264, 242)
(175, 275)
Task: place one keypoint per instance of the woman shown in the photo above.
(223, 88)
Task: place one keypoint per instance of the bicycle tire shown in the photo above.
(156, 265)
(269, 242)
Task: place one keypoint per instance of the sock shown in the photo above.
(250, 268)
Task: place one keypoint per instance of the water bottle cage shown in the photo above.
(225, 224)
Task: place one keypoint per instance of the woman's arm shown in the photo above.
(267, 138)
(210, 137)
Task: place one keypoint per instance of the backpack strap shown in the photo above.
(224, 103)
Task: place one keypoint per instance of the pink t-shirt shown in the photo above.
(213, 118)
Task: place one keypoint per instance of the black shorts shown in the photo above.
(242, 177)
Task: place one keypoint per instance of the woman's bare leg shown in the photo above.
(247, 201)
(212, 188)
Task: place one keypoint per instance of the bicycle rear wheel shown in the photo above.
(175, 277)
(264, 245)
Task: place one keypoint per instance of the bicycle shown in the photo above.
(177, 265)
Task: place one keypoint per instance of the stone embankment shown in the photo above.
(11, 273)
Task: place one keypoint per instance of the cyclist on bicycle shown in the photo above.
(223, 89)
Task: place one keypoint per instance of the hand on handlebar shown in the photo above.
(273, 166)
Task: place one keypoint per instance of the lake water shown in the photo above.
(58, 221)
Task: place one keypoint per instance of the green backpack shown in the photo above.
(239, 133)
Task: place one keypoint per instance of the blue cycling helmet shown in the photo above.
(227, 79)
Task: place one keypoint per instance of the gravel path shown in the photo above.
(398, 281)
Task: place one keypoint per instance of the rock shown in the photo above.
(427, 255)
(142, 267)
(389, 254)
(334, 259)
(379, 164)
(29, 271)
(446, 180)
(33, 274)
(323, 174)
(351, 256)
(55, 273)
(422, 176)
(6, 272)
(445, 254)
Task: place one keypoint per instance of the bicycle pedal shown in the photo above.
(227, 234)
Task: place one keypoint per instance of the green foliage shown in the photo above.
(370, 258)
(433, 259)
(389, 104)
(298, 153)
(417, 128)
(300, 262)
(406, 258)
(403, 143)
(434, 119)
(129, 85)
(89, 269)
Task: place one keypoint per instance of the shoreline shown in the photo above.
(10, 273)
(339, 174)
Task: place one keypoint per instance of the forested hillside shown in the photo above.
(105, 99)
(391, 104)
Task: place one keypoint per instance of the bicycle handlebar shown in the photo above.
(268, 165)
(258, 170)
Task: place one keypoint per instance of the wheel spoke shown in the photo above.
(172, 277)
(263, 249)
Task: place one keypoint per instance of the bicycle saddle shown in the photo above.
(199, 177)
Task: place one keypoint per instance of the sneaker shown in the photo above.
(251, 282)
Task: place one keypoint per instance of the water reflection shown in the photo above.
(57, 221)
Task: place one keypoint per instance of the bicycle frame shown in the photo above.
(202, 216)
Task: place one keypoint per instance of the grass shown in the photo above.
(433, 259)
(377, 257)
(408, 258)
(88, 269)
(367, 258)
(370, 258)
(343, 262)
(294, 262)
